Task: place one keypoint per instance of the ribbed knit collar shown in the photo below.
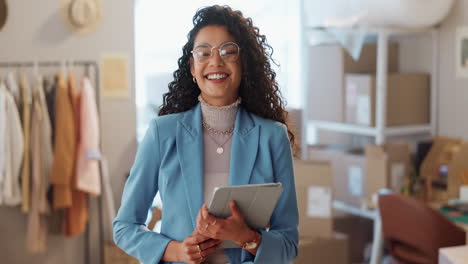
(219, 117)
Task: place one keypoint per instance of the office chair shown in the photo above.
(414, 232)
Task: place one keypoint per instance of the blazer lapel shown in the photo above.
(189, 140)
(244, 149)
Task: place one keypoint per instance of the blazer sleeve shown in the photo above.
(130, 231)
(279, 244)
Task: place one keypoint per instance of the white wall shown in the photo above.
(34, 31)
(415, 55)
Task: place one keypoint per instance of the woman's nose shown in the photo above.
(215, 58)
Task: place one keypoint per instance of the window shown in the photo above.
(161, 28)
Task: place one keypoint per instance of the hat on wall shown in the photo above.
(3, 13)
(81, 16)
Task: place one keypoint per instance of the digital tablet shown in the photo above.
(255, 201)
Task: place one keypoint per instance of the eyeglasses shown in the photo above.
(229, 52)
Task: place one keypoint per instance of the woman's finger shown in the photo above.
(199, 215)
(235, 212)
(207, 217)
(195, 239)
(209, 243)
(205, 213)
(202, 228)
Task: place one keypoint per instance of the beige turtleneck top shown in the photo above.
(216, 165)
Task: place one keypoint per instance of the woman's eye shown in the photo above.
(203, 53)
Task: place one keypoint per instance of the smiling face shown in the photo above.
(217, 79)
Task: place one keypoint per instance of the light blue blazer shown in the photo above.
(170, 160)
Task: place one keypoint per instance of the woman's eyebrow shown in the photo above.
(203, 44)
(209, 45)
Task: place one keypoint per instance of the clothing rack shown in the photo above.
(32, 64)
(63, 64)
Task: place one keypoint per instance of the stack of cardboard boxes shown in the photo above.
(344, 90)
(358, 174)
(318, 243)
(407, 99)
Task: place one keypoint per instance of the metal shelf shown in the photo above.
(353, 210)
(368, 131)
(407, 130)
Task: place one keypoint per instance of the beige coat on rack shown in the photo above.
(41, 156)
(26, 101)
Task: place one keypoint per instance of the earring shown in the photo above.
(194, 80)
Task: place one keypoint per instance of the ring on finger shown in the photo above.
(214, 223)
(199, 248)
(206, 227)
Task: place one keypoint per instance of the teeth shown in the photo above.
(216, 76)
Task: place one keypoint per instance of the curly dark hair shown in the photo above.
(258, 89)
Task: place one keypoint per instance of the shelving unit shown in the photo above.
(381, 131)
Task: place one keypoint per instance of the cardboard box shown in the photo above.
(334, 250)
(408, 97)
(458, 172)
(333, 154)
(442, 152)
(327, 66)
(359, 231)
(314, 196)
(359, 174)
(352, 178)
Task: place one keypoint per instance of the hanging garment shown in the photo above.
(41, 152)
(50, 87)
(10, 191)
(87, 169)
(3, 138)
(26, 101)
(46, 149)
(76, 217)
(12, 86)
(56, 217)
(64, 147)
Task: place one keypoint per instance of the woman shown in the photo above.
(222, 123)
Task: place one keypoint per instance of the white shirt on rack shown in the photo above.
(12, 86)
(13, 145)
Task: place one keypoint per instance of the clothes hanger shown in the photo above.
(36, 69)
(63, 68)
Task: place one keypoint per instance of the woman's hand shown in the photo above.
(232, 228)
(196, 248)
